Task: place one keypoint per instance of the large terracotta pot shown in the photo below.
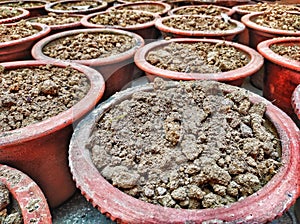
(27, 193)
(265, 205)
(37, 10)
(40, 149)
(234, 77)
(282, 75)
(20, 49)
(225, 10)
(117, 70)
(296, 104)
(23, 14)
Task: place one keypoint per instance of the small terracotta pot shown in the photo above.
(146, 30)
(266, 204)
(165, 7)
(282, 75)
(27, 193)
(178, 33)
(80, 10)
(20, 49)
(233, 77)
(40, 149)
(34, 11)
(296, 104)
(225, 10)
(117, 69)
(24, 14)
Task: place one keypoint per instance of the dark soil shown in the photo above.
(9, 12)
(21, 4)
(262, 7)
(291, 51)
(17, 31)
(197, 57)
(195, 146)
(85, 46)
(53, 19)
(77, 5)
(144, 7)
(31, 95)
(122, 18)
(194, 23)
(209, 10)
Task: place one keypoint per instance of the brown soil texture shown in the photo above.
(195, 23)
(209, 10)
(22, 4)
(17, 31)
(53, 19)
(262, 7)
(77, 5)
(144, 7)
(9, 13)
(30, 95)
(197, 57)
(122, 18)
(85, 46)
(194, 146)
(291, 51)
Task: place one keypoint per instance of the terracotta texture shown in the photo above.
(269, 202)
(234, 77)
(34, 11)
(25, 14)
(40, 150)
(296, 105)
(27, 193)
(226, 10)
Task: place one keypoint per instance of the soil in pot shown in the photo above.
(6, 12)
(77, 5)
(209, 10)
(10, 211)
(262, 7)
(147, 6)
(24, 4)
(31, 95)
(53, 19)
(193, 146)
(19, 30)
(288, 51)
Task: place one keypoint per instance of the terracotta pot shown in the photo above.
(225, 10)
(296, 104)
(23, 14)
(116, 70)
(179, 33)
(146, 30)
(40, 149)
(20, 49)
(266, 204)
(50, 7)
(233, 77)
(162, 6)
(27, 193)
(34, 11)
(282, 75)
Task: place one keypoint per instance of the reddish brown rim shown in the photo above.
(296, 101)
(248, 21)
(166, 7)
(37, 49)
(28, 8)
(159, 25)
(25, 13)
(266, 52)
(49, 7)
(63, 119)
(228, 11)
(26, 191)
(85, 22)
(255, 63)
(44, 30)
(269, 202)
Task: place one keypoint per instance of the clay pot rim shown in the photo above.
(264, 49)
(247, 20)
(44, 30)
(23, 192)
(255, 63)
(48, 7)
(296, 101)
(62, 26)
(166, 6)
(25, 13)
(122, 207)
(28, 8)
(219, 33)
(85, 21)
(37, 49)
(228, 11)
(63, 119)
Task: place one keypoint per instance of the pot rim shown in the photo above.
(228, 11)
(27, 8)
(296, 101)
(37, 49)
(25, 13)
(49, 5)
(246, 19)
(264, 49)
(85, 21)
(63, 119)
(166, 6)
(43, 32)
(26, 191)
(282, 189)
(219, 33)
(255, 63)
